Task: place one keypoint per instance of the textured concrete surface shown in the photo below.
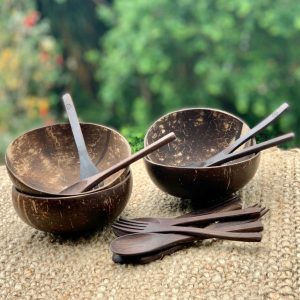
(36, 265)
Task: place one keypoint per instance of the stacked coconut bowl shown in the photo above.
(44, 161)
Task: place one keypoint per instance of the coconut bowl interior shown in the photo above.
(44, 161)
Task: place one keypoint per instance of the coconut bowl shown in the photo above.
(201, 133)
(74, 214)
(44, 161)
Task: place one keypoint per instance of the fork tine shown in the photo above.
(262, 209)
(128, 226)
(123, 228)
(128, 222)
(255, 205)
(264, 212)
(132, 221)
(121, 223)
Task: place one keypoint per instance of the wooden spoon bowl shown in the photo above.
(74, 214)
(44, 161)
(201, 133)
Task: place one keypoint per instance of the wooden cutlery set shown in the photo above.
(148, 239)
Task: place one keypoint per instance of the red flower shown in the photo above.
(43, 107)
(59, 60)
(43, 111)
(31, 19)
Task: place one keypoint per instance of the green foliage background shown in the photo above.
(161, 55)
(128, 62)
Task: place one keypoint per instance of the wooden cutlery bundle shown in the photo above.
(148, 239)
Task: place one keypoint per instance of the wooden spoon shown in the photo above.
(254, 149)
(239, 214)
(140, 243)
(87, 167)
(143, 243)
(166, 249)
(230, 203)
(88, 183)
(177, 244)
(244, 138)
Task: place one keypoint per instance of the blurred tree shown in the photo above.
(128, 62)
(161, 55)
(75, 25)
(30, 66)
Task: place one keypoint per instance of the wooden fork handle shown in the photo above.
(232, 202)
(251, 133)
(251, 212)
(211, 233)
(255, 148)
(255, 226)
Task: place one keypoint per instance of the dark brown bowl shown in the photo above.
(201, 133)
(74, 214)
(44, 161)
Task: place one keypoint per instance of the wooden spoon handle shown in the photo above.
(255, 226)
(211, 233)
(251, 212)
(231, 202)
(87, 167)
(75, 126)
(89, 183)
(255, 148)
(92, 181)
(251, 133)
